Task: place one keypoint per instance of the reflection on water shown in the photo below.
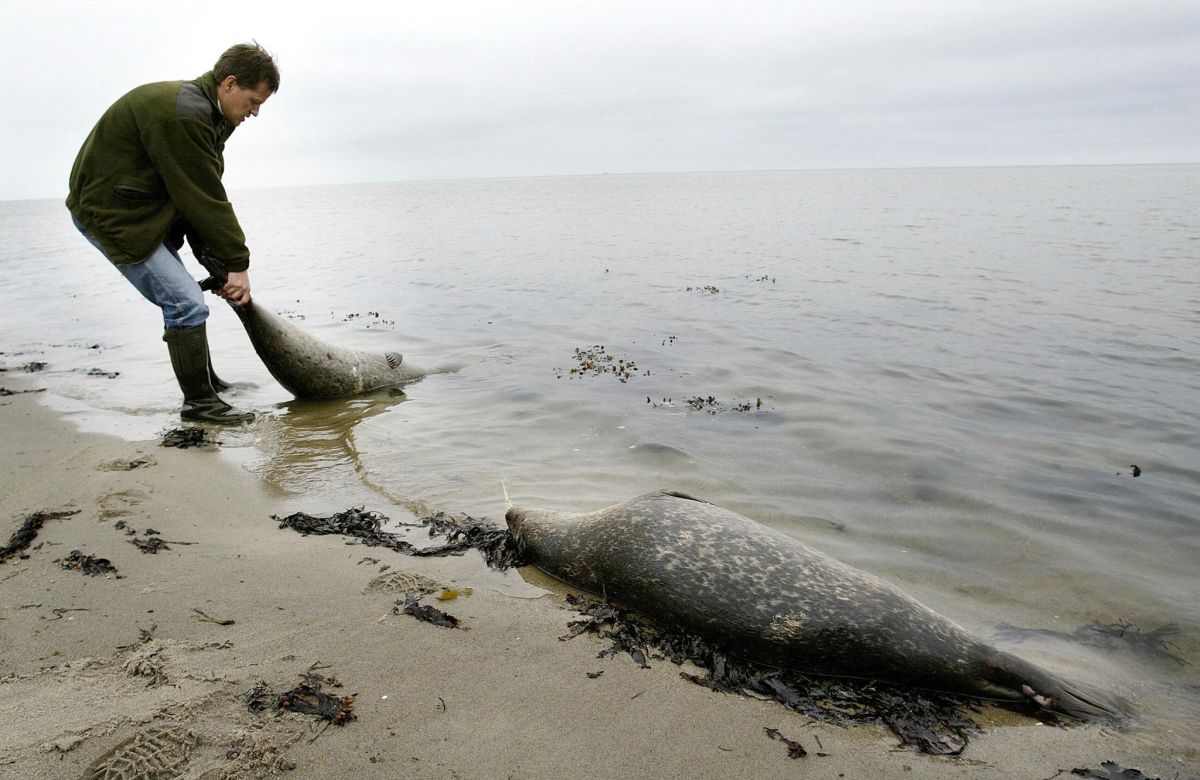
(310, 444)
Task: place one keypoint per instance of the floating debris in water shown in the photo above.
(34, 367)
(596, 361)
(188, 437)
(931, 722)
(102, 373)
(1137, 470)
(375, 318)
(709, 404)
(707, 289)
(763, 278)
(87, 564)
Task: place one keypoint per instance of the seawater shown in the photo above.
(942, 376)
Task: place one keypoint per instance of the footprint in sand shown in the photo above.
(121, 464)
(405, 582)
(155, 752)
(119, 504)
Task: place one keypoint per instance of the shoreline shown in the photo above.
(88, 663)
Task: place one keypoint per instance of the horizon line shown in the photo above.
(713, 172)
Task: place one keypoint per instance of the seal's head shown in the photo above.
(535, 530)
(515, 517)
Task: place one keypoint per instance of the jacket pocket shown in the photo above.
(137, 189)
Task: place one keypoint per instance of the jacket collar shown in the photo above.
(208, 85)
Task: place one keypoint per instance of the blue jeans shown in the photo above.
(162, 280)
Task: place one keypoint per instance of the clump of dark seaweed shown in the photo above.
(188, 437)
(411, 605)
(24, 536)
(259, 697)
(152, 542)
(5, 392)
(462, 533)
(366, 526)
(307, 698)
(1111, 770)
(931, 722)
(87, 564)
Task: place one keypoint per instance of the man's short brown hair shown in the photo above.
(250, 64)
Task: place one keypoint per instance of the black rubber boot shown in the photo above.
(189, 358)
(220, 385)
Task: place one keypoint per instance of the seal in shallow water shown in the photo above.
(310, 368)
(688, 563)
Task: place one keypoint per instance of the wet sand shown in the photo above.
(123, 673)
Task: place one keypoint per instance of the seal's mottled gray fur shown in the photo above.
(694, 565)
(309, 368)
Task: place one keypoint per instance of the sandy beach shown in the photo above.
(149, 668)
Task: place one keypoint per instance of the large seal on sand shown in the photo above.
(309, 368)
(759, 592)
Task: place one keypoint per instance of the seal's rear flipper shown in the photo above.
(1087, 703)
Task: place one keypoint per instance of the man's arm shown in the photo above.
(184, 153)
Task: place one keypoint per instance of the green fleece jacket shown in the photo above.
(151, 170)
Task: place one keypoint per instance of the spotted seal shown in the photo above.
(310, 368)
(688, 563)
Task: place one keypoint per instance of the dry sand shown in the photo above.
(122, 674)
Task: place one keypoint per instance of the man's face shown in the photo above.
(238, 102)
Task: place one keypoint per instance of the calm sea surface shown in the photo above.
(943, 377)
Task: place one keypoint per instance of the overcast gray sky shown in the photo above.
(431, 90)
